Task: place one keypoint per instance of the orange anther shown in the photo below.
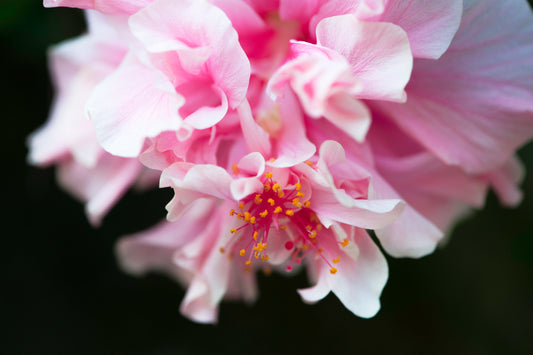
(235, 169)
(333, 270)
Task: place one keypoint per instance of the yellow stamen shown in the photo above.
(345, 242)
(300, 194)
(221, 250)
(232, 212)
(268, 175)
(252, 220)
(296, 202)
(247, 216)
(298, 186)
(289, 213)
(248, 262)
(282, 227)
(258, 199)
(312, 234)
(265, 257)
(233, 231)
(264, 213)
(255, 236)
(235, 169)
(241, 205)
(333, 270)
(278, 210)
(307, 204)
(271, 201)
(336, 260)
(309, 162)
(242, 252)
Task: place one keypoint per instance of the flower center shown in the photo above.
(288, 211)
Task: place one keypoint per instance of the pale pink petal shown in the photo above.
(292, 146)
(506, 180)
(191, 26)
(368, 214)
(430, 25)
(101, 186)
(133, 103)
(411, 235)
(257, 140)
(325, 85)
(202, 180)
(379, 54)
(441, 193)
(209, 268)
(358, 282)
(207, 116)
(154, 248)
(468, 107)
(252, 164)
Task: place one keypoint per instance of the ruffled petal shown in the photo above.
(468, 108)
(378, 53)
(133, 103)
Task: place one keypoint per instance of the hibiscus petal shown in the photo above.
(257, 140)
(100, 186)
(292, 145)
(133, 103)
(411, 235)
(379, 54)
(430, 25)
(200, 33)
(358, 282)
(368, 214)
(505, 182)
(468, 108)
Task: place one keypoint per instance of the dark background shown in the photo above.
(63, 292)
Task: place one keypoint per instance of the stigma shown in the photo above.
(287, 210)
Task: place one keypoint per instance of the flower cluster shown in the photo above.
(290, 129)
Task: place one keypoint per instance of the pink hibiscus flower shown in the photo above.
(412, 105)
(315, 213)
